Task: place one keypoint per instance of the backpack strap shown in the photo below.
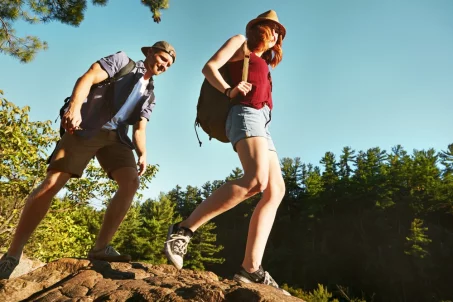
(245, 67)
(121, 73)
(125, 70)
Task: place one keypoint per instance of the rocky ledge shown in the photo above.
(71, 279)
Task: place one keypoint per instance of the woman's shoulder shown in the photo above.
(237, 41)
(238, 38)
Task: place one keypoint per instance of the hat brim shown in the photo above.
(261, 19)
(145, 50)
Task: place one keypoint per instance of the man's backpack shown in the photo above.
(109, 81)
(213, 106)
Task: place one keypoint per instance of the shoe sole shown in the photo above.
(167, 252)
(245, 280)
(241, 279)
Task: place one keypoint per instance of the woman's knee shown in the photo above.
(280, 189)
(276, 191)
(257, 183)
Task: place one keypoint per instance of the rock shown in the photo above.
(71, 279)
(25, 266)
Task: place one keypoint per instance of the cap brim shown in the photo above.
(145, 50)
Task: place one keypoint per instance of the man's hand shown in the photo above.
(141, 163)
(72, 119)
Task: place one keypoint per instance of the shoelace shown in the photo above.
(111, 251)
(269, 280)
(7, 265)
(180, 243)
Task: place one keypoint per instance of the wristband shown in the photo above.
(227, 92)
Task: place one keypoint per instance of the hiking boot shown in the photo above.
(176, 245)
(7, 266)
(108, 254)
(260, 277)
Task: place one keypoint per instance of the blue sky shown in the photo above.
(355, 73)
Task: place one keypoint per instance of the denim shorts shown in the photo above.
(244, 122)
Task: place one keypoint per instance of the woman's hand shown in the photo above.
(242, 88)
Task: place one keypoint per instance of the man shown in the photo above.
(96, 123)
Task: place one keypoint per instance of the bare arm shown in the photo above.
(139, 138)
(211, 69)
(72, 118)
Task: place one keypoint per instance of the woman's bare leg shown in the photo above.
(264, 215)
(254, 155)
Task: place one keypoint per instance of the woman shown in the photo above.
(247, 129)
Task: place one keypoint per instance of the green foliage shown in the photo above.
(70, 12)
(127, 239)
(157, 216)
(23, 153)
(95, 184)
(144, 230)
(59, 235)
(203, 249)
(156, 6)
(417, 239)
(295, 292)
(321, 294)
(22, 160)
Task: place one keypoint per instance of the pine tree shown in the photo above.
(157, 216)
(70, 12)
(417, 240)
(203, 248)
(128, 239)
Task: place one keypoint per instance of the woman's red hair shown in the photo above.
(258, 38)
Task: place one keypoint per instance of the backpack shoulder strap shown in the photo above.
(245, 67)
(125, 70)
(121, 73)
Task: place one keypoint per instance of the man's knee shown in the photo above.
(129, 184)
(53, 183)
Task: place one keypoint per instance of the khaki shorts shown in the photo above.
(73, 153)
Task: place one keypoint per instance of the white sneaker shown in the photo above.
(176, 245)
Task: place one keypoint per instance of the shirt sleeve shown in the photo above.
(146, 110)
(113, 63)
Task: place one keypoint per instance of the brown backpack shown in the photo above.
(213, 106)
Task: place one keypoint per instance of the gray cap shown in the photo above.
(161, 45)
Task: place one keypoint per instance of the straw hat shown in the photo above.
(270, 15)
